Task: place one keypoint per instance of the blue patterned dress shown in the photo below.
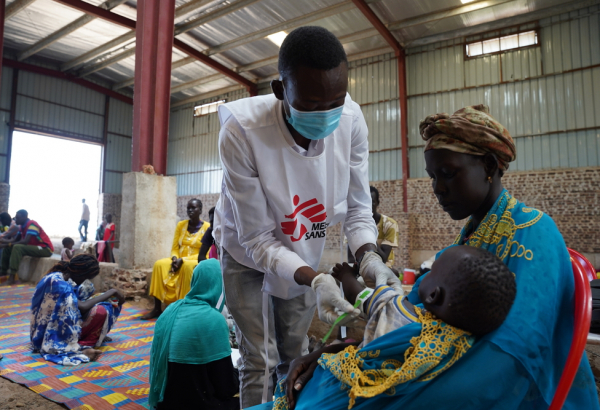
(56, 319)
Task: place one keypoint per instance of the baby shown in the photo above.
(67, 253)
(468, 288)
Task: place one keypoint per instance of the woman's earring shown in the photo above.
(489, 179)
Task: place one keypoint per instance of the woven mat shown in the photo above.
(118, 380)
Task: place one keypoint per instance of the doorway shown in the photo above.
(49, 177)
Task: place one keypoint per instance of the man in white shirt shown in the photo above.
(85, 219)
(294, 162)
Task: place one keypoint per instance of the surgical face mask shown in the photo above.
(314, 125)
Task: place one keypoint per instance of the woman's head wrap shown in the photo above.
(83, 265)
(470, 130)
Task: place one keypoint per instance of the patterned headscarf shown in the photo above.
(470, 130)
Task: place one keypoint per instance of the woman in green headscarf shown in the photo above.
(190, 360)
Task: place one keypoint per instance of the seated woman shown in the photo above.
(171, 277)
(66, 321)
(519, 365)
(190, 360)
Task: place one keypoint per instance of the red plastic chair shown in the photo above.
(585, 264)
(583, 317)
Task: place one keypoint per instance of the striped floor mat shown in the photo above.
(118, 380)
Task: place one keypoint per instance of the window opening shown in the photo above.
(494, 45)
(207, 108)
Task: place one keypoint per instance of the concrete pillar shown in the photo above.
(4, 196)
(148, 219)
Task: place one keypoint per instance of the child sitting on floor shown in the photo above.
(468, 288)
(67, 253)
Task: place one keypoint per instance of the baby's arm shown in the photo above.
(346, 274)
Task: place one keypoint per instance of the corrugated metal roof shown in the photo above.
(411, 19)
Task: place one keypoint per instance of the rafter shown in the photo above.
(98, 50)
(65, 31)
(125, 22)
(286, 25)
(265, 62)
(15, 7)
(247, 67)
(67, 77)
(179, 29)
(351, 57)
(439, 15)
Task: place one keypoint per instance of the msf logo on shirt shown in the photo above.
(311, 211)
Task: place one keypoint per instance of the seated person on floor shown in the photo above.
(467, 294)
(67, 253)
(171, 277)
(67, 323)
(190, 360)
(30, 241)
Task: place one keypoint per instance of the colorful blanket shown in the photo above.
(118, 380)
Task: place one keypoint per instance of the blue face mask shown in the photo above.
(314, 125)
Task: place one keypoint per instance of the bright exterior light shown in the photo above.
(277, 38)
(208, 108)
(466, 1)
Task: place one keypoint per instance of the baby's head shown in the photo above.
(469, 288)
(68, 243)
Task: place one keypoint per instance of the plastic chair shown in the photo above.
(583, 316)
(585, 264)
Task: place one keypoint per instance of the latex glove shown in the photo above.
(330, 302)
(376, 273)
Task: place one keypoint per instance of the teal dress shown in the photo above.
(518, 366)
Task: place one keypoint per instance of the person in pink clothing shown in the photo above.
(104, 253)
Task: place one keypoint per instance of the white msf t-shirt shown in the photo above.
(277, 201)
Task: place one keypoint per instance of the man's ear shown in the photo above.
(277, 87)
(436, 297)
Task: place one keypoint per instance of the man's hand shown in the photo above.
(330, 302)
(376, 273)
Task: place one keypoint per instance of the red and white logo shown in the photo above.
(313, 213)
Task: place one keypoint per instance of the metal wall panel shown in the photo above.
(118, 145)
(118, 161)
(545, 96)
(6, 87)
(193, 154)
(58, 107)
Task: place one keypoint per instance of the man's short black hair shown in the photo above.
(312, 47)
(67, 240)
(23, 212)
(484, 292)
(374, 190)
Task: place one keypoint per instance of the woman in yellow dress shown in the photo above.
(171, 277)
